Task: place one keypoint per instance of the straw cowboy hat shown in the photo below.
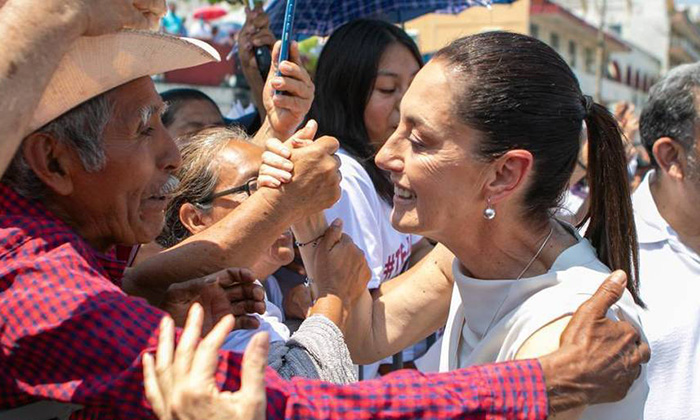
(94, 65)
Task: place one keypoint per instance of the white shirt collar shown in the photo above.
(651, 226)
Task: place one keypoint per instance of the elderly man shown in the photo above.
(666, 214)
(94, 172)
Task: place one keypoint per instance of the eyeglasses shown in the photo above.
(249, 188)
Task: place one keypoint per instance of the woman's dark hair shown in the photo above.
(520, 94)
(345, 76)
(176, 97)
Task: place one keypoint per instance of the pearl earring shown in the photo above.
(489, 211)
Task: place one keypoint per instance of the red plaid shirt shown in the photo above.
(69, 333)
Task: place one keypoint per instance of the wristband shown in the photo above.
(313, 242)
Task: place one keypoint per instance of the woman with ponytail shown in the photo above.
(488, 139)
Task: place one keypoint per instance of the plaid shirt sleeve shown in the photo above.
(86, 348)
(513, 390)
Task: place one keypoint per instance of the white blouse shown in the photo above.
(490, 320)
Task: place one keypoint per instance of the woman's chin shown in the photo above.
(405, 222)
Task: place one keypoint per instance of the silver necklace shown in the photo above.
(527, 267)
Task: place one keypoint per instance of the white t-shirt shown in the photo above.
(367, 220)
(669, 274)
(515, 310)
(275, 296)
(270, 321)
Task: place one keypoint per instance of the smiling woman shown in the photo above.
(488, 139)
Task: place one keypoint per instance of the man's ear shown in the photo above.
(192, 218)
(51, 161)
(669, 156)
(510, 172)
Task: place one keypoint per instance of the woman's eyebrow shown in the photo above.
(387, 73)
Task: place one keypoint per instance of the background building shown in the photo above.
(628, 70)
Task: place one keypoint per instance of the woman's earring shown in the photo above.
(489, 211)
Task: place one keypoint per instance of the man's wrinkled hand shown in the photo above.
(228, 292)
(99, 17)
(598, 358)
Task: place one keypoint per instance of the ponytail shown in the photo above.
(611, 230)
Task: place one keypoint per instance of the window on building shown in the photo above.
(572, 54)
(554, 41)
(534, 31)
(616, 29)
(590, 61)
(628, 79)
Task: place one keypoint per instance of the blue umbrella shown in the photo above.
(322, 17)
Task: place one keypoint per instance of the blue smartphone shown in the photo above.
(287, 31)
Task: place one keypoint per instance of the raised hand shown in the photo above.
(286, 110)
(277, 165)
(100, 17)
(254, 33)
(179, 384)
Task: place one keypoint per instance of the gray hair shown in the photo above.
(81, 129)
(670, 110)
(198, 175)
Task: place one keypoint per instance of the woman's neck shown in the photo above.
(503, 251)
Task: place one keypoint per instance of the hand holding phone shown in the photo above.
(263, 56)
(287, 32)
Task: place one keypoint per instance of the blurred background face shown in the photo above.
(194, 115)
(396, 70)
(238, 163)
(437, 180)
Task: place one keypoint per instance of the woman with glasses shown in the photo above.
(219, 172)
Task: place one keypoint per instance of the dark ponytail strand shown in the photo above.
(611, 230)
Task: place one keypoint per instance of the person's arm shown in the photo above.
(245, 233)
(318, 348)
(183, 386)
(597, 361)
(237, 240)
(35, 36)
(403, 310)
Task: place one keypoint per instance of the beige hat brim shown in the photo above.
(94, 65)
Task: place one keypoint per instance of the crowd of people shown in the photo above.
(504, 237)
